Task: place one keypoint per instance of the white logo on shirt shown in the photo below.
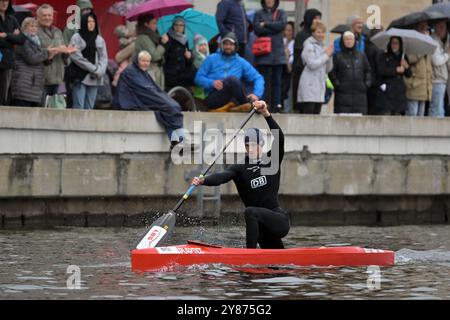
(259, 182)
(254, 169)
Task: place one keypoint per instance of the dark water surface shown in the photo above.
(33, 265)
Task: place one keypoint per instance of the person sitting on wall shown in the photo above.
(137, 90)
(222, 73)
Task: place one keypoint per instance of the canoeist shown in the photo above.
(266, 222)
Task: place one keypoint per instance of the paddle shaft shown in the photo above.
(192, 188)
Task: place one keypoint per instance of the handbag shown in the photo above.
(263, 45)
(57, 101)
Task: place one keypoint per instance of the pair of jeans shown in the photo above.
(273, 85)
(233, 91)
(83, 96)
(437, 100)
(415, 108)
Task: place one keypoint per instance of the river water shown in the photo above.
(34, 265)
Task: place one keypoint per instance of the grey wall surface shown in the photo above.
(69, 162)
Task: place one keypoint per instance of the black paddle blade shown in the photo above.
(158, 232)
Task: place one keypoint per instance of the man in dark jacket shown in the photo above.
(137, 90)
(311, 15)
(10, 36)
(231, 17)
(351, 77)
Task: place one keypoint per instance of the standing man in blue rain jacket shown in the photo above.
(222, 74)
(231, 17)
(356, 25)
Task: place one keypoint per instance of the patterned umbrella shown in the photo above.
(121, 8)
(196, 23)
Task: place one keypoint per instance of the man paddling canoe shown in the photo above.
(266, 222)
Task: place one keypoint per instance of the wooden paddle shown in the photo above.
(160, 230)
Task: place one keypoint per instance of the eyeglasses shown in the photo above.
(176, 24)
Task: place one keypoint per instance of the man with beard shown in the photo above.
(222, 74)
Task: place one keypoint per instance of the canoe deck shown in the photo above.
(195, 253)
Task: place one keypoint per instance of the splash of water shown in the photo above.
(408, 256)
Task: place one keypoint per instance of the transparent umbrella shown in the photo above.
(413, 42)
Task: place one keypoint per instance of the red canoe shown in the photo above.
(196, 253)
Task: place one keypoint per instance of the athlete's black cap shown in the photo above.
(254, 135)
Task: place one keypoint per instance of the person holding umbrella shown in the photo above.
(178, 68)
(393, 66)
(440, 61)
(194, 23)
(149, 40)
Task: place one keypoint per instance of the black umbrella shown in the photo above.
(367, 32)
(341, 29)
(412, 19)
